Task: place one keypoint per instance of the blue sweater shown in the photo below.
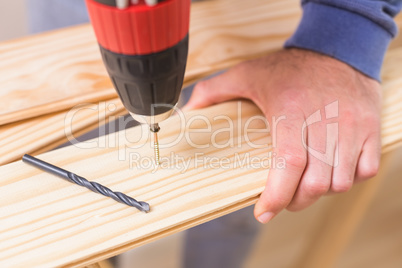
(356, 32)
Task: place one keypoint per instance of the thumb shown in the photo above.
(212, 91)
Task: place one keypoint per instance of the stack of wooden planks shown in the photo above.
(49, 222)
(45, 75)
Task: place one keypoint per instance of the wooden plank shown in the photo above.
(87, 127)
(392, 98)
(50, 72)
(219, 39)
(102, 264)
(71, 236)
(56, 238)
(59, 223)
(49, 137)
(47, 132)
(55, 71)
(262, 26)
(173, 230)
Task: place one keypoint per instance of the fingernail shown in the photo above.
(266, 217)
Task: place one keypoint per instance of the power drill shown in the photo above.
(144, 46)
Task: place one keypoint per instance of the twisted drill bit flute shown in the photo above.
(93, 186)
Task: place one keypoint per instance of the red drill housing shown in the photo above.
(144, 49)
(140, 29)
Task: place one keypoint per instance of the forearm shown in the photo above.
(356, 32)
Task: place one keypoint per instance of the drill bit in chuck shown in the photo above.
(93, 186)
(155, 128)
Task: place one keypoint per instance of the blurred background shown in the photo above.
(13, 19)
(21, 17)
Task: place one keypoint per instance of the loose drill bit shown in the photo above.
(93, 186)
(155, 128)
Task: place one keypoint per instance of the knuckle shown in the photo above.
(342, 187)
(294, 158)
(316, 187)
(369, 171)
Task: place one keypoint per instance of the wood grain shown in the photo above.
(102, 264)
(50, 72)
(47, 132)
(43, 218)
(233, 32)
(55, 71)
(392, 98)
(40, 223)
(46, 221)
(222, 34)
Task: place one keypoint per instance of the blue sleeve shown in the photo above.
(356, 32)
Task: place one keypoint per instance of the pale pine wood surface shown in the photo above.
(50, 72)
(52, 219)
(64, 222)
(102, 264)
(179, 200)
(48, 131)
(223, 33)
(57, 70)
(392, 98)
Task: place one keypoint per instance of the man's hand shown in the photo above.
(296, 83)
